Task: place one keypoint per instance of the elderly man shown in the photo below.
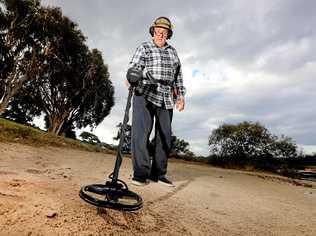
(159, 61)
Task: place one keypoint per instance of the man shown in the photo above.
(159, 61)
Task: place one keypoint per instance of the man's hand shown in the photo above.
(127, 83)
(180, 104)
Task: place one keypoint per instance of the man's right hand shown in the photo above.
(134, 76)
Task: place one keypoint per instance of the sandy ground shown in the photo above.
(39, 196)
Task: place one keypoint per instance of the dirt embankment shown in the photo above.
(39, 196)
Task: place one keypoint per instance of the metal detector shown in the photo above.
(115, 193)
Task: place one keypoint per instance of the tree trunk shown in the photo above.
(56, 123)
(10, 91)
(4, 103)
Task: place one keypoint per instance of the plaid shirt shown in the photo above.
(162, 64)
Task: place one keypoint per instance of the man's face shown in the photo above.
(160, 36)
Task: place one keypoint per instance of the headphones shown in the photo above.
(166, 22)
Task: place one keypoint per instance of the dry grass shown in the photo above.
(18, 133)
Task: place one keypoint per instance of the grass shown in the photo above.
(311, 167)
(13, 132)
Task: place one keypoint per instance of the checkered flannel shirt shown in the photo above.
(162, 64)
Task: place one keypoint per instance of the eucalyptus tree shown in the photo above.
(74, 85)
(22, 46)
(45, 58)
(96, 97)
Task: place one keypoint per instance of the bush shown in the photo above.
(248, 139)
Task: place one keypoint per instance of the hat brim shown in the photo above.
(162, 26)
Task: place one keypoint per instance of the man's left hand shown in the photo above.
(180, 104)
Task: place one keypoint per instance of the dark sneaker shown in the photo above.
(165, 181)
(139, 182)
(153, 179)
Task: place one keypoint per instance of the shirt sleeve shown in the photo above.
(138, 59)
(181, 90)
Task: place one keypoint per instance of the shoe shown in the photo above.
(139, 182)
(165, 181)
(153, 179)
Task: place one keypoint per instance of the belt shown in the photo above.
(154, 81)
(165, 82)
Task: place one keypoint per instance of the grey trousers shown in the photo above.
(144, 114)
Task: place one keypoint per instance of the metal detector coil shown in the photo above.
(114, 193)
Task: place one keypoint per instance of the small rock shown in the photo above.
(15, 184)
(308, 192)
(51, 214)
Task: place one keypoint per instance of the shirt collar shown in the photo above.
(164, 47)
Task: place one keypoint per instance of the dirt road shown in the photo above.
(39, 196)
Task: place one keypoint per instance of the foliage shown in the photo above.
(76, 86)
(179, 146)
(179, 150)
(97, 94)
(53, 66)
(22, 46)
(126, 146)
(68, 130)
(89, 138)
(108, 146)
(249, 140)
(284, 147)
(21, 110)
(3, 48)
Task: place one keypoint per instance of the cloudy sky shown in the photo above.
(243, 60)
